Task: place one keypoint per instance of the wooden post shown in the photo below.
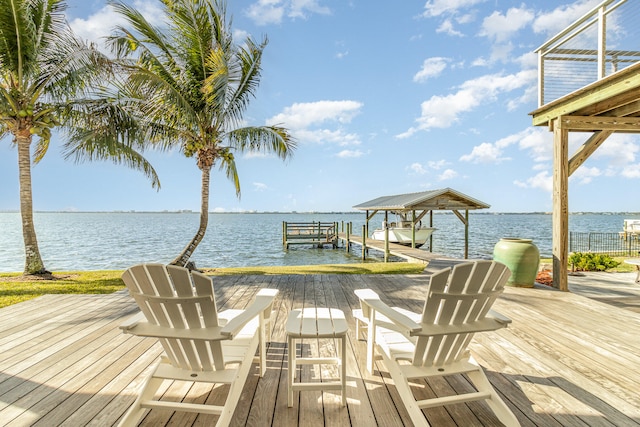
(431, 225)
(364, 242)
(466, 234)
(284, 234)
(348, 234)
(386, 236)
(413, 229)
(560, 205)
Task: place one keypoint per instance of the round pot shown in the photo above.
(522, 257)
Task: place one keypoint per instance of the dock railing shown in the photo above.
(603, 41)
(309, 233)
(614, 244)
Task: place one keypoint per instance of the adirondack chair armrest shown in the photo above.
(498, 317)
(145, 329)
(261, 305)
(366, 294)
(484, 325)
(394, 316)
(132, 321)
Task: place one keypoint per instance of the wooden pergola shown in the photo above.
(602, 108)
(423, 203)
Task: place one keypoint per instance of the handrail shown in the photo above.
(558, 48)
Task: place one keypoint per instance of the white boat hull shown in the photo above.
(402, 236)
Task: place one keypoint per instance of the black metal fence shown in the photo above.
(614, 244)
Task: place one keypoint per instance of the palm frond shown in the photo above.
(16, 32)
(266, 139)
(42, 146)
(124, 42)
(92, 145)
(249, 59)
(228, 165)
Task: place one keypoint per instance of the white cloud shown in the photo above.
(444, 111)
(447, 27)
(315, 122)
(619, 150)
(265, 12)
(437, 165)
(100, 24)
(447, 174)
(348, 154)
(300, 8)
(96, 26)
(542, 181)
(259, 186)
(303, 115)
(328, 136)
(584, 175)
(631, 171)
(538, 141)
(484, 153)
(561, 17)
(439, 7)
(499, 28)
(431, 67)
(417, 168)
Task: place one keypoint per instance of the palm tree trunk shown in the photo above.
(33, 261)
(183, 258)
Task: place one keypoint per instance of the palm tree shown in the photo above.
(46, 76)
(189, 85)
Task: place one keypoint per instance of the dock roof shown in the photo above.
(443, 199)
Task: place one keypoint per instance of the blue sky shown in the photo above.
(383, 98)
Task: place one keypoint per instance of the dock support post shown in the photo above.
(466, 234)
(284, 234)
(348, 232)
(386, 237)
(364, 242)
(431, 225)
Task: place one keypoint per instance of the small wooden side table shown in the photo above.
(635, 262)
(317, 323)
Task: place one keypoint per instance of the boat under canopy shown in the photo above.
(412, 208)
(403, 232)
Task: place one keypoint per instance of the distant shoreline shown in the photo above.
(187, 211)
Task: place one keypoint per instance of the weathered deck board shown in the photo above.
(568, 359)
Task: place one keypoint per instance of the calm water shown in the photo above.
(92, 241)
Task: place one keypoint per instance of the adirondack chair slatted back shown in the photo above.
(176, 298)
(458, 296)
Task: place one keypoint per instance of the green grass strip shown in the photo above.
(15, 288)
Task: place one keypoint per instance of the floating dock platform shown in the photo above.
(310, 233)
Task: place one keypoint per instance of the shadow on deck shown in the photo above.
(568, 358)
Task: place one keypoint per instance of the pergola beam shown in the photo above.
(597, 123)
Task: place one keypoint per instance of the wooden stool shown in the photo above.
(317, 323)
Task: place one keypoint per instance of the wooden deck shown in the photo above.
(567, 359)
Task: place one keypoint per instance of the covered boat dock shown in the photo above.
(418, 205)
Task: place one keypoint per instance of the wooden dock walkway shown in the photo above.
(405, 252)
(567, 359)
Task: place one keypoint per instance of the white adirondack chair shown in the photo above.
(200, 344)
(434, 343)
